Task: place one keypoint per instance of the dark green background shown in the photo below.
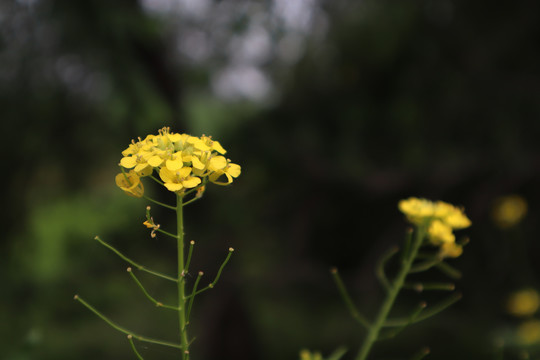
(433, 98)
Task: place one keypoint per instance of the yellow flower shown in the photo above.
(138, 162)
(177, 181)
(418, 211)
(130, 183)
(509, 210)
(440, 233)
(213, 144)
(529, 332)
(450, 249)
(230, 171)
(524, 302)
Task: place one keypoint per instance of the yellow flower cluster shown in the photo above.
(182, 161)
(441, 218)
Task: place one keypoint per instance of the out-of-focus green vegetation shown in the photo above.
(335, 110)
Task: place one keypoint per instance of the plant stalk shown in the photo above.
(391, 296)
(181, 280)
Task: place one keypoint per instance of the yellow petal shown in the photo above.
(217, 163)
(450, 249)
(198, 143)
(217, 146)
(143, 169)
(174, 165)
(174, 186)
(234, 170)
(166, 175)
(439, 233)
(191, 182)
(130, 183)
(457, 220)
(155, 161)
(214, 177)
(175, 137)
(184, 172)
(128, 162)
(197, 164)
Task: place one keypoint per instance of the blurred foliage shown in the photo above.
(370, 102)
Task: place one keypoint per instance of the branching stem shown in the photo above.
(139, 267)
(391, 296)
(124, 330)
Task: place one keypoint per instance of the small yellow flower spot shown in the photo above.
(200, 192)
(524, 302)
(148, 224)
(307, 355)
(528, 333)
(508, 211)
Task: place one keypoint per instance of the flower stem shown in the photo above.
(140, 267)
(124, 330)
(347, 299)
(181, 284)
(159, 203)
(393, 291)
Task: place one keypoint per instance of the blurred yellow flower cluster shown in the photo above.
(182, 161)
(528, 332)
(441, 218)
(307, 355)
(524, 302)
(509, 210)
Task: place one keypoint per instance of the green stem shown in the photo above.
(448, 270)
(391, 296)
(190, 253)
(381, 275)
(347, 299)
(139, 356)
(213, 283)
(159, 203)
(125, 331)
(157, 303)
(181, 284)
(191, 200)
(167, 233)
(139, 267)
(190, 304)
(431, 311)
(156, 180)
